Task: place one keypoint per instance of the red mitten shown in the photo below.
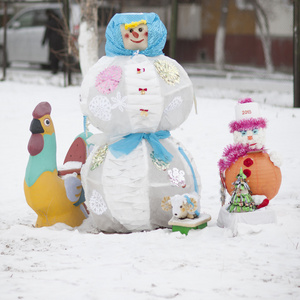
(263, 204)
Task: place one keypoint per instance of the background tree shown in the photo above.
(261, 20)
(88, 35)
(220, 37)
(264, 29)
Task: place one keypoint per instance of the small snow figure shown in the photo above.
(241, 200)
(249, 154)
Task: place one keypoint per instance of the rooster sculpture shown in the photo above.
(55, 199)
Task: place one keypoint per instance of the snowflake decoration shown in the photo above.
(175, 103)
(119, 102)
(159, 164)
(167, 71)
(97, 203)
(177, 177)
(108, 80)
(99, 157)
(101, 108)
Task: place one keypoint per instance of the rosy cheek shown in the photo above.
(146, 33)
(126, 35)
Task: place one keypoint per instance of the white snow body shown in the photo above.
(124, 193)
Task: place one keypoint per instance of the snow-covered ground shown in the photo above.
(260, 262)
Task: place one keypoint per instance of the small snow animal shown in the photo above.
(183, 206)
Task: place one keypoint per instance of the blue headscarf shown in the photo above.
(157, 34)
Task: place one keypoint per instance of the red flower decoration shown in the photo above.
(247, 172)
(248, 162)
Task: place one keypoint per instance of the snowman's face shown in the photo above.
(135, 38)
(255, 138)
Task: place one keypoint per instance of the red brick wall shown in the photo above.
(240, 49)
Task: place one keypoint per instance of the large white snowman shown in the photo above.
(135, 95)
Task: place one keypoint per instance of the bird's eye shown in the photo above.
(47, 122)
(255, 131)
(131, 30)
(180, 206)
(140, 29)
(243, 132)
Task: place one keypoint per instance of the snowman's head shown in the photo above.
(128, 32)
(249, 128)
(135, 35)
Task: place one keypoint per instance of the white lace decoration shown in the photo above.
(177, 177)
(97, 203)
(101, 107)
(119, 102)
(175, 103)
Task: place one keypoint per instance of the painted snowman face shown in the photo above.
(255, 138)
(135, 38)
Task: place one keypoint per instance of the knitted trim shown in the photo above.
(247, 124)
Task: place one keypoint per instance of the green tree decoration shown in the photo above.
(241, 200)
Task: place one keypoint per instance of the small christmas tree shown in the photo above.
(241, 200)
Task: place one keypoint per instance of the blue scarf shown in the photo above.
(131, 141)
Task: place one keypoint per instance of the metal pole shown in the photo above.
(296, 53)
(4, 42)
(173, 34)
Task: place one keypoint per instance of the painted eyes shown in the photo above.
(140, 30)
(47, 122)
(244, 132)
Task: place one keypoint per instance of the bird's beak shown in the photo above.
(36, 126)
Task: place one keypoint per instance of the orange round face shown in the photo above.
(262, 176)
(135, 38)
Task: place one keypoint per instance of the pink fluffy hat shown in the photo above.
(247, 116)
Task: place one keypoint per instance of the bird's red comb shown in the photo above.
(43, 108)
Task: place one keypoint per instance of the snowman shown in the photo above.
(249, 154)
(135, 95)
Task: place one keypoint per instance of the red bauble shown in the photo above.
(248, 162)
(262, 176)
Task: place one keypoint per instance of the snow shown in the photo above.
(259, 261)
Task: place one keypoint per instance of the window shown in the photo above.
(26, 20)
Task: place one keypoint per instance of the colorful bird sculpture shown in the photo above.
(53, 198)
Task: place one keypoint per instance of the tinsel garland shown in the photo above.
(232, 153)
(247, 124)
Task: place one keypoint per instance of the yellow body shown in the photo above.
(47, 197)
